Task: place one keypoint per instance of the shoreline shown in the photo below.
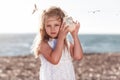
(93, 66)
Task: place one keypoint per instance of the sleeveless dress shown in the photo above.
(64, 70)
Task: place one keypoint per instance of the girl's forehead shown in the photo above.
(54, 18)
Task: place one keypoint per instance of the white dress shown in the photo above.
(64, 70)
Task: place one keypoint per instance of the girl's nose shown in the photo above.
(52, 28)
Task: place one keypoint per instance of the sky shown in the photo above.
(95, 16)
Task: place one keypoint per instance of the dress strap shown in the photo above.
(52, 43)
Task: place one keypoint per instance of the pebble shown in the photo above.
(91, 67)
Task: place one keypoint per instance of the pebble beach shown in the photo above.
(93, 66)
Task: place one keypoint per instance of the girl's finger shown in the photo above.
(66, 29)
(62, 26)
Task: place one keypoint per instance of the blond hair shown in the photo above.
(42, 35)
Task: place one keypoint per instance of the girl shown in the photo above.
(51, 45)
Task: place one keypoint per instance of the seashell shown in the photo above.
(69, 22)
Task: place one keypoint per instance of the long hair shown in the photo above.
(42, 35)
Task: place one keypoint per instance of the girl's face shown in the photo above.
(52, 26)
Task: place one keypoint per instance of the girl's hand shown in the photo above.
(76, 30)
(63, 31)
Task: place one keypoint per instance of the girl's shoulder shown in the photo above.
(42, 43)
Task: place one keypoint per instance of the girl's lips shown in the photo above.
(53, 32)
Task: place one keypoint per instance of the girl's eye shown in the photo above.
(48, 25)
(56, 25)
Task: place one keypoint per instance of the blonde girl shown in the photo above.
(54, 50)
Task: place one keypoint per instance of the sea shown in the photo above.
(20, 44)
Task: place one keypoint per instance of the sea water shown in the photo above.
(20, 44)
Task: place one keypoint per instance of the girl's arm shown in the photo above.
(53, 56)
(76, 48)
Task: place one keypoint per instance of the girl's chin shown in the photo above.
(53, 37)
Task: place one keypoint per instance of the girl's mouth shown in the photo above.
(53, 32)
